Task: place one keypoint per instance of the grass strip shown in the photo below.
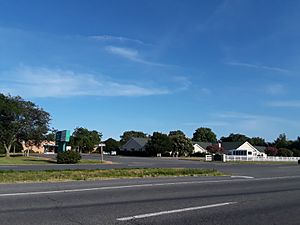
(32, 160)
(76, 175)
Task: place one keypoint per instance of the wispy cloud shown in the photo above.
(275, 89)
(44, 82)
(116, 38)
(287, 104)
(258, 66)
(131, 54)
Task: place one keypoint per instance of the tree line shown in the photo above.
(23, 122)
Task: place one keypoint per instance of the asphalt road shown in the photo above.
(254, 170)
(185, 200)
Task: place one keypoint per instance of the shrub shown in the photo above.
(272, 151)
(284, 152)
(68, 157)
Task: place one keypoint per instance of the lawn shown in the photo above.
(32, 160)
(76, 175)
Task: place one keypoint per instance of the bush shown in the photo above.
(68, 157)
(284, 152)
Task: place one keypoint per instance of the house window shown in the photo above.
(249, 153)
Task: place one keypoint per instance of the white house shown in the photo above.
(242, 149)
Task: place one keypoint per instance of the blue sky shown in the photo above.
(156, 65)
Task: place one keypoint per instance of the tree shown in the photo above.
(296, 144)
(129, 134)
(204, 134)
(282, 141)
(21, 121)
(258, 141)
(215, 149)
(50, 136)
(176, 132)
(158, 143)
(235, 138)
(181, 144)
(111, 145)
(272, 151)
(85, 140)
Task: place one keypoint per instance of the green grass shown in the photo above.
(31, 160)
(24, 160)
(75, 175)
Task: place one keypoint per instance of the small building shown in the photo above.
(242, 149)
(135, 144)
(200, 147)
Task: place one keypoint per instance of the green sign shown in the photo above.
(63, 135)
(61, 139)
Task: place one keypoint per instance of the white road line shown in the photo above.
(142, 185)
(174, 211)
(246, 177)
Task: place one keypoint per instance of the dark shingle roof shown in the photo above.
(231, 145)
(202, 144)
(141, 141)
(260, 148)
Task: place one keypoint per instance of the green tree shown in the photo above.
(258, 141)
(158, 143)
(129, 134)
(176, 132)
(85, 140)
(21, 121)
(235, 138)
(181, 144)
(282, 141)
(204, 134)
(111, 145)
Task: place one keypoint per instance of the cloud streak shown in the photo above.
(44, 82)
(130, 54)
(116, 39)
(257, 66)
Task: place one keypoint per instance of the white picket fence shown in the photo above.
(261, 159)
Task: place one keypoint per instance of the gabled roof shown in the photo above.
(260, 148)
(231, 145)
(204, 145)
(141, 141)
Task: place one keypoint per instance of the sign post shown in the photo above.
(61, 140)
(101, 151)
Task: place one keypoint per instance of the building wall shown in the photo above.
(40, 148)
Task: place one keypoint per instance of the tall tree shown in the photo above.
(158, 143)
(204, 134)
(129, 134)
(180, 144)
(85, 140)
(21, 121)
(282, 141)
(235, 138)
(258, 141)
